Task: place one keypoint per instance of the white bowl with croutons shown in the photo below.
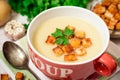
(69, 43)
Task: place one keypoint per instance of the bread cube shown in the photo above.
(115, 2)
(19, 76)
(86, 42)
(70, 27)
(70, 57)
(112, 9)
(99, 9)
(4, 77)
(67, 48)
(108, 14)
(80, 51)
(75, 42)
(50, 40)
(117, 16)
(106, 3)
(118, 26)
(118, 6)
(112, 23)
(58, 51)
(80, 34)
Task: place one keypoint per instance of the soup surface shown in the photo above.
(49, 26)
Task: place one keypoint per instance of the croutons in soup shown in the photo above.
(70, 43)
(67, 39)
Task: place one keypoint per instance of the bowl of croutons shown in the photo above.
(69, 42)
(109, 11)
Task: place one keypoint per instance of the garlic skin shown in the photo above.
(14, 30)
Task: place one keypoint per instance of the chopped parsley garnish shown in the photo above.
(57, 33)
(62, 40)
(62, 36)
(68, 32)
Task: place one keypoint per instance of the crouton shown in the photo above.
(107, 21)
(80, 34)
(117, 16)
(58, 51)
(99, 9)
(102, 16)
(108, 14)
(112, 23)
(70, 27)
(118, 26)
(67, 48)
(118, 6)
(111, 27)
(4, 77)
(50, 40)
(86, 42)
(70, 57)
(112, 9)
(19, 76)
(106, 3)
(75, 42)
(115, 2)
(80, 51)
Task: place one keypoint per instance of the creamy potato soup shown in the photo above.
(49, 26)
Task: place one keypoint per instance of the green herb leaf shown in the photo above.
(58, 33)
(55, 3)
(68, 32)
(26, 3)
(62, 36)
(59, 41)
(62, 40)
(40, 3)
(65, 41)
(26, 26)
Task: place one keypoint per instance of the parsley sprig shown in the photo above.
(57, 33)
(62, 36)
(67, 32)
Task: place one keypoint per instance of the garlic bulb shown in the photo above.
(14, 30)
